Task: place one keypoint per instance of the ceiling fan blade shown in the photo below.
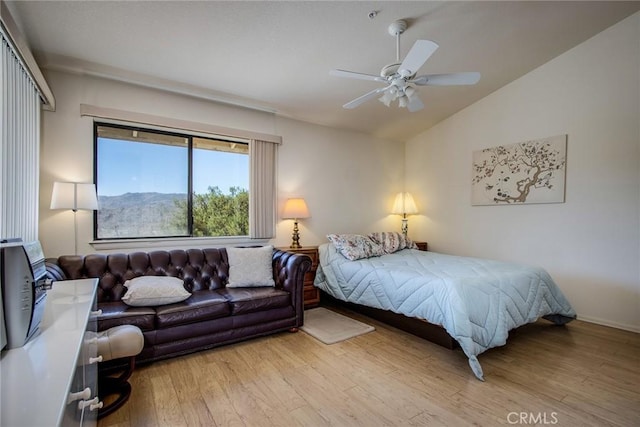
(364, 98)
(354, 75)
(415, 104)
(417, 56)
(451, 79)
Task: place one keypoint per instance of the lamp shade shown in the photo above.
(295, 209)
(74, 196)
(404, 205)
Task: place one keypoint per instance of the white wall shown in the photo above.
(348, 179)
(591, 243)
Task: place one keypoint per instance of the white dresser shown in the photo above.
(37, 379)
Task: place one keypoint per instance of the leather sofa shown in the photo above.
(213, 315)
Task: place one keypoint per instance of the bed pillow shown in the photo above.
(250, 267)
(392, 241)
(146, 291)
(355, 246)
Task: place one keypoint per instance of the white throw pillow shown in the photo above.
(250, 267)
(145, 291)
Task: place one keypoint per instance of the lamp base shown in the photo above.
(405, 226)
(295, 242)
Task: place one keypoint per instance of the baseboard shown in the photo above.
(630, 328)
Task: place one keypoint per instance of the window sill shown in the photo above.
(131, 245)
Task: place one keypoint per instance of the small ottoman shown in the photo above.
(117, 343)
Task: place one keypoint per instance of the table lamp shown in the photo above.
(404, 205)
(295, 208)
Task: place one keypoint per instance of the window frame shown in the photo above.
(110, 241)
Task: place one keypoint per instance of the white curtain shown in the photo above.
(19, 149)
(262, 189)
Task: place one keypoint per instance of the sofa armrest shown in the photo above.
(54, 272)
(289, 269)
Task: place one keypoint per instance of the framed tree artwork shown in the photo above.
(526, 172)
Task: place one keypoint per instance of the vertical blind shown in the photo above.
(262, 185)
(19, 150)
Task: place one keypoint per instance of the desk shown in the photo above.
(36, 379)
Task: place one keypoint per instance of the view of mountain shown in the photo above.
(141, 214)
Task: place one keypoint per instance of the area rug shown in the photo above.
(330, 327)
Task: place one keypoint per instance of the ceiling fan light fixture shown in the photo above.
(409, 91)
(387, 97)
(403, 101)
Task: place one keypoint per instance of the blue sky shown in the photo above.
(130, 167)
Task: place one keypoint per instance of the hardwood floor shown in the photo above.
(579, 375)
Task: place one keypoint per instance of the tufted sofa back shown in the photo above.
(200, 269)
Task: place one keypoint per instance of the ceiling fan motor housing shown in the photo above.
(389, 70)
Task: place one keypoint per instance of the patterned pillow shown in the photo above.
(392, 241)
(355, 246)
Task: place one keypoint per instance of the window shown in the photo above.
(163, 184)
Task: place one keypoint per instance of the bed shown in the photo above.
(477, 301)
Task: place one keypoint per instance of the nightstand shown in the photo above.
(422, 246)
(311, 293)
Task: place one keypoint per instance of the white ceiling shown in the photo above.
(277, 55)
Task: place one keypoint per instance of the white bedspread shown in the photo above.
(477, 301)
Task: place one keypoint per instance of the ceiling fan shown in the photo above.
(400, 77)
